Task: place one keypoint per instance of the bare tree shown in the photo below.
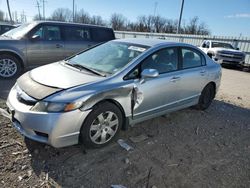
(97, 20)
(117, 21)
(195, 27)
(159, 24)
(61, 14)
(82, 17)
(170, 26)
(144, 24)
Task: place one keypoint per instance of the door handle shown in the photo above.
(175, 78)
(59, 45)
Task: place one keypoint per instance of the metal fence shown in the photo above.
(243, 43)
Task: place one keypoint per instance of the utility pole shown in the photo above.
(156, 3)
(73, 11)
(8, 5)
(179, 21)
(38, 7)
(155, 7)
(43, 9)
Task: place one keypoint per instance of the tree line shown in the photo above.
(144, 23)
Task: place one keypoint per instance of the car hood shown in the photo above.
(4, 38)
(60, 75)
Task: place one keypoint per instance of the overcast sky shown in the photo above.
(223, 17)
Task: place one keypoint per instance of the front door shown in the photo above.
(160, 93)
(45, 45)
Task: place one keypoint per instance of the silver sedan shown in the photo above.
(91, 96)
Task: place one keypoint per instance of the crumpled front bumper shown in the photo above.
(55, 129)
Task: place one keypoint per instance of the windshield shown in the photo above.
(20, 31)
(221, 45)
(109, 57)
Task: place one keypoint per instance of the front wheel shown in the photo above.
(9, 66)
(101, 126)
(206, 97)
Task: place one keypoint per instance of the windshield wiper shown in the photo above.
(81, 67)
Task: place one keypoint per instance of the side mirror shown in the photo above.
(149, 73)
(237, 48)
(35, 37)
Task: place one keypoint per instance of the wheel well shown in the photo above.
(214, 86)
(210, 54)
(125, 121)
(15, 55)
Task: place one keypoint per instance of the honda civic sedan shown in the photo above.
(90, 97)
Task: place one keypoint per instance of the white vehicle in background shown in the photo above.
(223, 53)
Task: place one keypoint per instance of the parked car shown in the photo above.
(223, 53)
(44, 42)
(4, 27)
(89, 97)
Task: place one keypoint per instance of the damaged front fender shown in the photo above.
(129, 97)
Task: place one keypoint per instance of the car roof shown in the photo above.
(8, 24)
(151, 42)
(70, 23)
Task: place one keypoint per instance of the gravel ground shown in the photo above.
(188, 148)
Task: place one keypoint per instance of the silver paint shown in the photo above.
(138, 100)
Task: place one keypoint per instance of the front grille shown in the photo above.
(236, 57)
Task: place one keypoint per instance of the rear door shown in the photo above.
(77, 38)
(48, 45)
(193, 75)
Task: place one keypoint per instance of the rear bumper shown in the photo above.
(55, 129)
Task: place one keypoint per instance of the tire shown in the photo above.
(206, 97)
(101, 126)
(10, 66)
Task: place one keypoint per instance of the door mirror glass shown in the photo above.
(35, 37)
(149, 73)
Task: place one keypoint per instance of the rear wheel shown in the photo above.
(206, 97)
(9, 66)
(101, 126)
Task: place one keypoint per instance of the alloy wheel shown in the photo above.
(104, 127)
(8, 68)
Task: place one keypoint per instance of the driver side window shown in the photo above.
(165, 60)
(48, 33)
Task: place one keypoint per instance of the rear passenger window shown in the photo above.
(102, 34)
(77, 33)
(191, 59)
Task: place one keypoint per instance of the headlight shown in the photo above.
(55, 107)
